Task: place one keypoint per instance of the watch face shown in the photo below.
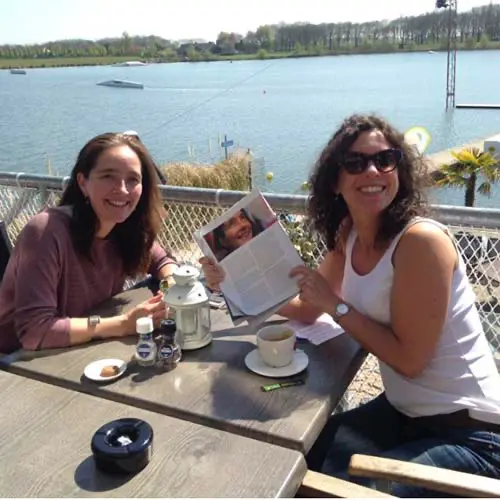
(342, 309)
(94, 320)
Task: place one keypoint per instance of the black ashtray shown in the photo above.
(123, 446)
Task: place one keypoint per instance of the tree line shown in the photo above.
(477, 28)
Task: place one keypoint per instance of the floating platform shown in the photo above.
(477, 106)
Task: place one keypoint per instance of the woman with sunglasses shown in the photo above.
(396, 283)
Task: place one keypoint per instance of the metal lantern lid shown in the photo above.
(188, 291)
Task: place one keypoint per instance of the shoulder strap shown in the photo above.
(417, 220)
(349, 246)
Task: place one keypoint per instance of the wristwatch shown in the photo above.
(341, 310)
(94, 320)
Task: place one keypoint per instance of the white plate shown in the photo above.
(254, 362)
(93, 370)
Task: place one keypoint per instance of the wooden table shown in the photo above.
(212, 386)
(45, 439)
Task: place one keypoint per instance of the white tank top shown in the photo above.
(462, 372)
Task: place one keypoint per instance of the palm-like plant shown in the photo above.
(471, 166)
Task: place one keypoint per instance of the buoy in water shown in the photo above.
(269, 176)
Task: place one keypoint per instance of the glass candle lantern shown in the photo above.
(189, 301)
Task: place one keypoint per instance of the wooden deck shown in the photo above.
(478, 106)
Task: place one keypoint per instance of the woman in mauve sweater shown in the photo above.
(70, 258)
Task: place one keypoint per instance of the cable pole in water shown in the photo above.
(451, 62)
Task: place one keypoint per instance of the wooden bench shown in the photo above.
(426, 476)
(458, 484)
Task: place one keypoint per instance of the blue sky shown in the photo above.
(35, 21)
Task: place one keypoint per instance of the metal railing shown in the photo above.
(477, 232)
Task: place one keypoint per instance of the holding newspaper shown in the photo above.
(254, 250)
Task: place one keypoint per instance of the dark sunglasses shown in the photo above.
(384, 161)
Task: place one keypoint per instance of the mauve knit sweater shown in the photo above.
(46, 282)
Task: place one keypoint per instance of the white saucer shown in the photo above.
(93, 370)
(254, 362)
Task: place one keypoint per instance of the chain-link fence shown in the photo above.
(477, 233)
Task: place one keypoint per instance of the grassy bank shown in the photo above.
(7, 63)
(56, 62)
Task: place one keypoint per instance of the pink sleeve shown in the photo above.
(37, 319)
(159, 258)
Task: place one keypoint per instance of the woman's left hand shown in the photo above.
(314, 289)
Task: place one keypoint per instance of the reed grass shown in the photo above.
(231, 174)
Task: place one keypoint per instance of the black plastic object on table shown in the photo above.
(123, 446)
(169, 351)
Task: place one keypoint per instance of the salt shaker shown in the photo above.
(145, 352)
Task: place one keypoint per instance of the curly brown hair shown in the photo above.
(328, 212)
(134, 237)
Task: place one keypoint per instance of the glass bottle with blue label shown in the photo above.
(169, 351)
(145, 352)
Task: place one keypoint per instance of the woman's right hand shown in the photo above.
(214, 274)
(154, 306)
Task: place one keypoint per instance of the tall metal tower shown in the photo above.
(451, 70)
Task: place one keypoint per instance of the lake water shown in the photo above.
(283, 110)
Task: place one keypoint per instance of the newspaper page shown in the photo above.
(323, 329)
(254, 250)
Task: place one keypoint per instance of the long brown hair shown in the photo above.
(329, 212)
(219, 233)
(133, 237)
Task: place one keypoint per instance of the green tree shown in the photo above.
(125, 43)
(470, 43)
(262, 54)
(169, 54)
(299, 48)
(192, 54)
(264, 36)
(472, 166)
(484, 41)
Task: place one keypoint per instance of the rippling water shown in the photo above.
(283, 110)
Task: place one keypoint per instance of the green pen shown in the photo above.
(280, 385)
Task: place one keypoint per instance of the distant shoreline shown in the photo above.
(62, 62)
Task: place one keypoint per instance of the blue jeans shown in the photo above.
(378, 429)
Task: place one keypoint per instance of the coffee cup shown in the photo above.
(276, 345)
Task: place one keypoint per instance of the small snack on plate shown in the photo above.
(110, 371)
